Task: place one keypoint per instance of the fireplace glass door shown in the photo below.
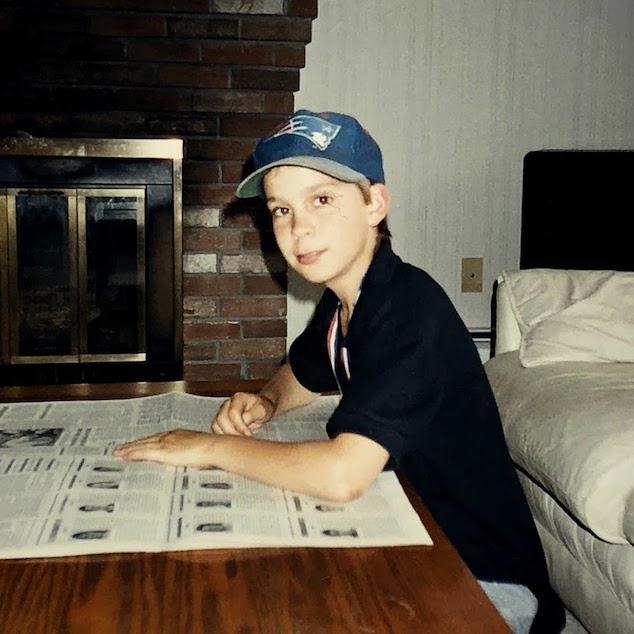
(76, 275)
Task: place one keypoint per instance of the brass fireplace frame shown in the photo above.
(61, 150)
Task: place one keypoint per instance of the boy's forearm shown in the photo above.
(321, 468)
(285, 465)
(284, 392)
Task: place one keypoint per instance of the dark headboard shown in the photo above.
(577, 206)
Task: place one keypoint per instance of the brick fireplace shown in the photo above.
(215, 73)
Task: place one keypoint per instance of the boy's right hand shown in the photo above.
(242, 414)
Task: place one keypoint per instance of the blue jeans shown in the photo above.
(516, 603)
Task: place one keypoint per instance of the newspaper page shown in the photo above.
(63, 493)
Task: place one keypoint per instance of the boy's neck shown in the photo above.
(349, 295)
(346, 308)
(344, 319)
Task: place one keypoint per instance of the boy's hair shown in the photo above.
(329, 142)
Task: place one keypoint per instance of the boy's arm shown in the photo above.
(286, 392)
(339, 469)
(243, 413)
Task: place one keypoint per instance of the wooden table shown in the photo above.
(398, 590)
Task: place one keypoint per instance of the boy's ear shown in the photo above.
(379, 203)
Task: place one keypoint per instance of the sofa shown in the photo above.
(563, 377)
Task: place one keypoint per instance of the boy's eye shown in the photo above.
(324, 199)
(278, 212)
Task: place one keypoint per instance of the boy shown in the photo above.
(414, 392)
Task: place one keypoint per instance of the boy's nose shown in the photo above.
(301, 225)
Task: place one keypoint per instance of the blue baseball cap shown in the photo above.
(329, 142)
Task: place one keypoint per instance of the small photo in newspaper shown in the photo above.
(30, 438)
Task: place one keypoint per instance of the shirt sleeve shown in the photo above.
(308, 355)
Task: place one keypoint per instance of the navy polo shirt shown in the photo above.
(417, 387)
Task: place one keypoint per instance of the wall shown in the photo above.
(457, 93)
(216, 73)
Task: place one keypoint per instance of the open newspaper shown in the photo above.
(63, 493)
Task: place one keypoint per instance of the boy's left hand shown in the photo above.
(178, 447)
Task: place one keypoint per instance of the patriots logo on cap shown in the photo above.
(319, 132)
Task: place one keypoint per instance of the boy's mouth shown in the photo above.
(308, 258)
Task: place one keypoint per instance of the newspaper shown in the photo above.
(63, 493)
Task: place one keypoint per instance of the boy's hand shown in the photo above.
(179, 448)
(242, 414)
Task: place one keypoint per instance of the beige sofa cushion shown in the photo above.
(570, 427)
(567, 315)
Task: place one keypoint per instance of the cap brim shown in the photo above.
(251, 186)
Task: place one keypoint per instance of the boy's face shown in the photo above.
(323, 226)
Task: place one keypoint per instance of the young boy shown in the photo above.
(414, 392)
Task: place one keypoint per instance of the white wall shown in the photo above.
(456, 93)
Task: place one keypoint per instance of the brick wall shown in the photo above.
(216, 73)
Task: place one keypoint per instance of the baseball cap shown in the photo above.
(329, 142)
